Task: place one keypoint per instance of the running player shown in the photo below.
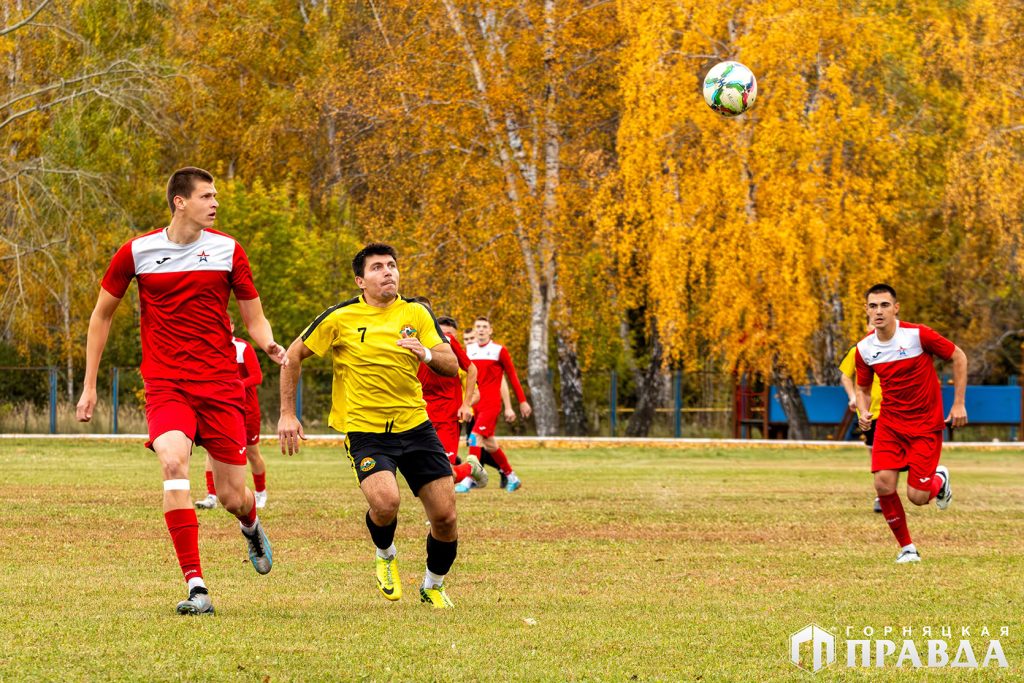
(252, 376)
(908, 435)
(376, 342)
(493, 363)
(186, 273)
(448, 405)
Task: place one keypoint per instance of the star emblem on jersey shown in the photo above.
(407, 331)
(903, 351)
(203, 256)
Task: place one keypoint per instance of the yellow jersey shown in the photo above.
(849, 368)
(374, 386)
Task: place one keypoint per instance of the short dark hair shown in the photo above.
(421, 300)
(448, 321)
(881, 288)
(183, 181)
(484, 318)
(372, 249)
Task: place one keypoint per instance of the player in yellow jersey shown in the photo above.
(377, 341)
(848, 368)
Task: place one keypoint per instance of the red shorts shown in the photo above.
(448, 433)
(208, 412)
(253, 421)
(486, 418)
(918, 453)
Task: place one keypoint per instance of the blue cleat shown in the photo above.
(259, 549)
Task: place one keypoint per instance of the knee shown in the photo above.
(174, 467)
(233, 501)
(384, 510)
(884, 488)
(918, 497)
(444, 527)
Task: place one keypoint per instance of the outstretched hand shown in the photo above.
(277, 353)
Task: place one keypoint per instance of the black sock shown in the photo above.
(383, 536)
(486, 459)
(441, 554)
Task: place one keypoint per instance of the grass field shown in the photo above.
(618, 564)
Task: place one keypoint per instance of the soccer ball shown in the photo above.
(730, 88)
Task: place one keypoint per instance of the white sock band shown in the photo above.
(176, 485)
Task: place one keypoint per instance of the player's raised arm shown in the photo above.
(99, 330)
(289, 429)
(259, 329)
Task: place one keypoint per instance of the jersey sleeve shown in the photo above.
(460, 353)
(935, 344)
(506, 363)
(241, 276)
(120, 271)
(864, 372)
(322, 333)
(430, 334)
(253, 371)
(848, 366)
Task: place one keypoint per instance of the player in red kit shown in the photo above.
(493, 362)
(186, 273)
(908, 433)
(448, 403)
(251, 374)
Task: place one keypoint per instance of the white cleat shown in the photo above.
(207, 503)
(477, 472)
(906, 556)
(945, 495)
(261, 499)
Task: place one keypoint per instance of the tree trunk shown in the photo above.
(789, 398)
(650, 385)
(542, 395)
(573, 413)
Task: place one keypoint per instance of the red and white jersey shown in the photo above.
(183, 292)
(249, 370)
(906, 371)
(443, 394)
(491, 361)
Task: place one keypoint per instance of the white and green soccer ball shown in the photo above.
(730, 88)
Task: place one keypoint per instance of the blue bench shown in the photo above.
(986, 405)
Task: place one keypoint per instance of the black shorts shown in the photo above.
(416, 453)
(869, 436)
(469, 428)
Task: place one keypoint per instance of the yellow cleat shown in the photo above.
(388, 581)
(437, 598)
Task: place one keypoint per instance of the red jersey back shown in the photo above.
(492, 360)
(443, 394)
(911, 393)
(183, 293)
(249, 370)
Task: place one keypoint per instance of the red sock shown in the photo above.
(184, 528)
(892, 510)
(209, 483)
(475, 450)
(937, 482)
(461, 471)
(249, 518)
(502, 461)
(259, 482)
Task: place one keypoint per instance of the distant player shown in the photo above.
(493, 363)
(908, 434)
(251, 374)
(448, 403)
(377, 342)
(848, 368)
(186, 273)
